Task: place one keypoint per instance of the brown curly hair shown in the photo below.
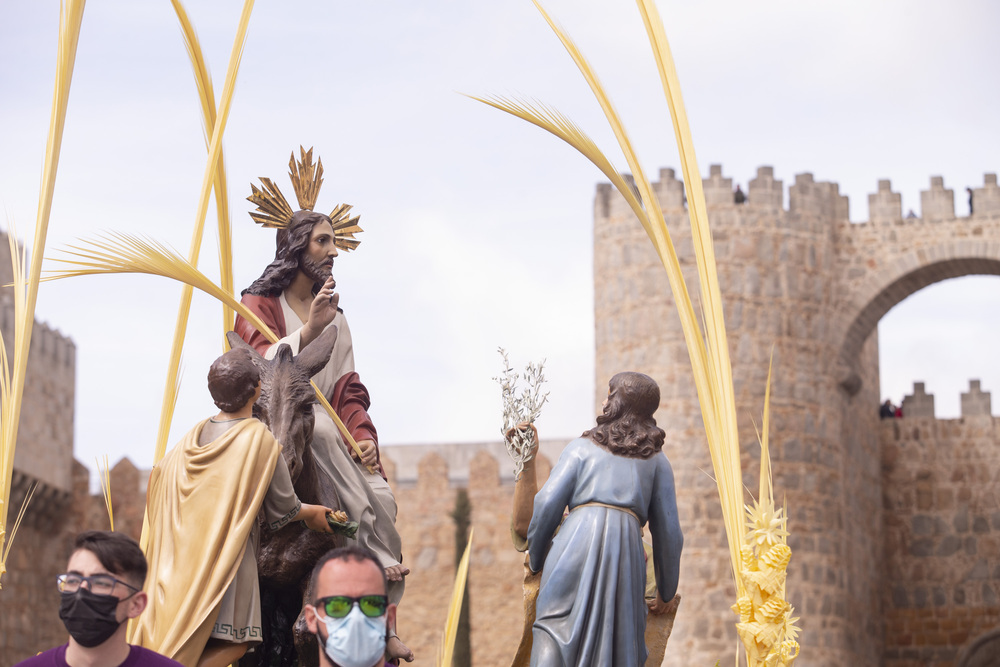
(233, 379)
(627, 427)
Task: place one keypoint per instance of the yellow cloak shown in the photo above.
(201, 505)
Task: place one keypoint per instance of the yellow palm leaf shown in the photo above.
(554, 122)
(209, 178)
(127, 253)
(707, 344)
(26, 288)
(725, 448)
(206, 95)
(455, 608)
(105, 475)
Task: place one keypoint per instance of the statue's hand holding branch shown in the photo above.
(368, 453)
(322, 310)
(526, 486)
(524, 426)
(314, 516)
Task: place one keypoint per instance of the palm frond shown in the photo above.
(766, 483)
(724, 446)
(208, 181)
(26, 289)
(206, 95)
(455, 608)
(17, 524)
(659, 233)
(556, 123)
(707, 343)
(117, 253)
(105, 475)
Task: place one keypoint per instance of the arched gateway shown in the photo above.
(809, 284)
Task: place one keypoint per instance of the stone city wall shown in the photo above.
(45, 431)
(428, 532)
(941, 488)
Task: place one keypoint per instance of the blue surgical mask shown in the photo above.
(355, 640)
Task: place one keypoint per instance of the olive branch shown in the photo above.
(520, 408)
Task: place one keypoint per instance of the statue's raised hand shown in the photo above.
(322, 310)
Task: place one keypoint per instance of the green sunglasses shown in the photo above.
(339, 606)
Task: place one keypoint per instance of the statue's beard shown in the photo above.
(318, 272)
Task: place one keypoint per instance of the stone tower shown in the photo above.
(43, 461)
(809, 285)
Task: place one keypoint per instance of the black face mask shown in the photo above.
(90, 619)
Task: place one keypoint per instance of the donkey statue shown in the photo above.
(285, 558)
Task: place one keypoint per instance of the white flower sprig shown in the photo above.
(520, 408)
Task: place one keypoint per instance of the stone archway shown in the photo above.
(983, 651)
(881, 262)
(901, 281)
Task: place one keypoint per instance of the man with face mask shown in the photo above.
(350, 613)
(100, 591)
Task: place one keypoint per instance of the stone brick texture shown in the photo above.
(942, 536)
(495, 569)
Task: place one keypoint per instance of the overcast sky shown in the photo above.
(478, 227)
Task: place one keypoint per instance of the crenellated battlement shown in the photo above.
(975, 402)
(458, 465)
(51, 344)
(806, 196)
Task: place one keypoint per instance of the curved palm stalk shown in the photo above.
(105, 475)
(455, 608)
(206, 96)
(726, 453)
(707, 344)
(660, 236)
(127, 253)
(26, 288)
(555, 122)
(214, 154)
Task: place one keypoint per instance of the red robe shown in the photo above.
(350, 399)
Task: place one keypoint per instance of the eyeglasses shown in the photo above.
(339, 606)
(99, 584)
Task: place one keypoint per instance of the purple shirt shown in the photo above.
(137, 657)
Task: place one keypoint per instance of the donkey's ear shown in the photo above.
(236, 342)
(317, 353)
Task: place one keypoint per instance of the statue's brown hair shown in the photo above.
(627, 427)
(291, 243)
(232, 379)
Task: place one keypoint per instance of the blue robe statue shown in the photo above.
(591, 609)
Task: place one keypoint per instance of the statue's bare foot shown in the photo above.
(397, 650)
(396, 573)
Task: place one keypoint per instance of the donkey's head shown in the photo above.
(287, 397)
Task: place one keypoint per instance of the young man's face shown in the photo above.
(85, 564)
(317, 260)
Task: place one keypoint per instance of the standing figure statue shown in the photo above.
(203, 502)
(591, 607)
(295, 298)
